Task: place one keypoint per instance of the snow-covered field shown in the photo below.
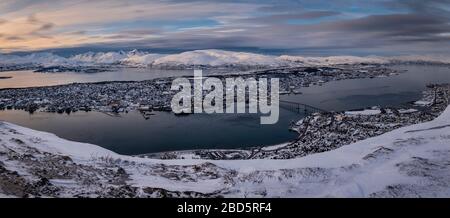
(364, 112)
(412, 161)
(211, 57)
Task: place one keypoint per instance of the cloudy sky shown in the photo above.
(290, 26)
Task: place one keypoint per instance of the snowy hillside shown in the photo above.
(128, 58)
(99, 58)
(217, 58)
(333, 60)
(412, 161)
(212, 58)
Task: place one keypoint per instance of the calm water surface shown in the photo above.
(30, 79)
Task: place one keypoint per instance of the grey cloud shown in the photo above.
(79, 32)
(279, 18)
(45, 27)
(419, 26)
(387, 26)
(32, 19)
(14, 38)
(185, 42)
(431, 7)
(277, 8)
(123, 37)
(141, 32)
(394, 33)
(134, 34)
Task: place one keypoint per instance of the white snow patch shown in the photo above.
(407, 111)
(366, 112)
(274, 147)
(422, 103)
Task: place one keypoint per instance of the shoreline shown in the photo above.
(39, 164)
(375, 123)
(155, 94)
(260, 151)
(238, 153)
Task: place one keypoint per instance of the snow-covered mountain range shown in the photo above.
(212, 57)
(412, 161)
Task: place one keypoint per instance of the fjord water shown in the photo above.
(132, 134)
(28, 78)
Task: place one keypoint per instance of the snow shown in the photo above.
(333, 60)
(100, 58)
(407, 111)
(426, 140)
(52, 144)
(366, 168)
(128, 58)
(274, 147)
(209, 57)
(365, 112)
(442, 59)
(336, 60)
(298, 123)
(204, 186)
(136, 58)
(422, 103)
(141, 60)
(6, 196)
(189, 156)
(90, 58)
(216, 58)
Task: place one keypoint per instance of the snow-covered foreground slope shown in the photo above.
(412, 161)
(211, 57)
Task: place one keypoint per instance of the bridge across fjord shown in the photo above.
(300, 107)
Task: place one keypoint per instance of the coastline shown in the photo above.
(255, 152)
(314, 128)
(39, 164)
(156, 93)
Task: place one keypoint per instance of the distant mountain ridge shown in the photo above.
(210, 57)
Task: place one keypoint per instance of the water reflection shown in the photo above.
(28, 78)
